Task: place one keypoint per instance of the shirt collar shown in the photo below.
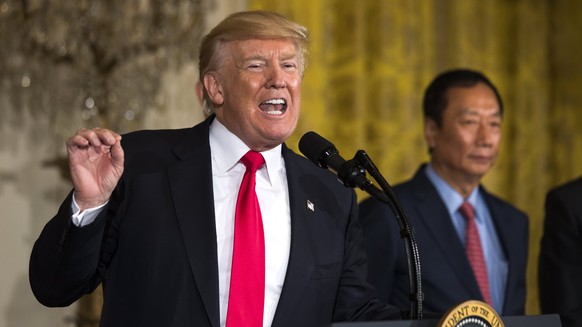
(226, 150)
(451, 198)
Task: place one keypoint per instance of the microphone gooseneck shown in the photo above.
(352, 173)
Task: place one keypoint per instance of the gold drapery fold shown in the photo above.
(371, 60)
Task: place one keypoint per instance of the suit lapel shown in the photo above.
(301, 261)
(191, 185)
(434, 215)
(504, 229)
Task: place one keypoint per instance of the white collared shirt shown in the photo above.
(227, 172)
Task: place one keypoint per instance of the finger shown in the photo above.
(77, 141)
(117, 154)
(106, 136)
(97, 137)
(83, 138)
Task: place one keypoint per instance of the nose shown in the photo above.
(486, 135)
(276, 78)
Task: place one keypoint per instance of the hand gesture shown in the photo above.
(96, 164)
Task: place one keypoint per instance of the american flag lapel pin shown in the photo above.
(310, 206)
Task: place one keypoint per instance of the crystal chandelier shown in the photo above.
(92, 61)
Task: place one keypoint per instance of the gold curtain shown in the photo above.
(371, 60)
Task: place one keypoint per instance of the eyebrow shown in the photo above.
(471, 111)
(283, 56)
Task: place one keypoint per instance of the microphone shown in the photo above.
(352, 173)
(324, 154)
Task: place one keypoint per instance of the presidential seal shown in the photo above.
(471, 313)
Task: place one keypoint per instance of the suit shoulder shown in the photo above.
(309, 173)
(402, 190)
(142, 138)
(305, 165)
(568, 191)
(408, 186)
(505, 206)
(151, 150)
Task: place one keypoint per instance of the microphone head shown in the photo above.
(316, 148)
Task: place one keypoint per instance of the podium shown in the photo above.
(470, 313)
(552, 320)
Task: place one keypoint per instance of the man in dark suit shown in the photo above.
(463, 114)
(560, 264)
(152, 217)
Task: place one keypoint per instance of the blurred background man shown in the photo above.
(472, 244)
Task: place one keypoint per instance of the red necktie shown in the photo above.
(475, 252)
(247, 281)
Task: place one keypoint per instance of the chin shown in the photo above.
(480, 173)
(282, 133)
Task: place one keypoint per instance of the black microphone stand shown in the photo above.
(361, 159)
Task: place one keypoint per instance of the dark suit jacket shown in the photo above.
(154, 246)
(447, 278)
(560, 264)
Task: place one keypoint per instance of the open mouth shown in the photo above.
(274, 106)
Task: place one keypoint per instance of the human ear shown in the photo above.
(213, 89)
(430, 132)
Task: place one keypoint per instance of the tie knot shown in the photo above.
(252, 160)
(467, 210)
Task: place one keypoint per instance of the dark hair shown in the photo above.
(435, 96)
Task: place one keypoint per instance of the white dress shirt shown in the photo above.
(273, 195)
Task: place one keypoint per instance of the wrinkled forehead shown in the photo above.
(260, 49)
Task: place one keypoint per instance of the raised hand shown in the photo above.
(96, 164)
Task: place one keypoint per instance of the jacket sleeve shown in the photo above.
(64, 260)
